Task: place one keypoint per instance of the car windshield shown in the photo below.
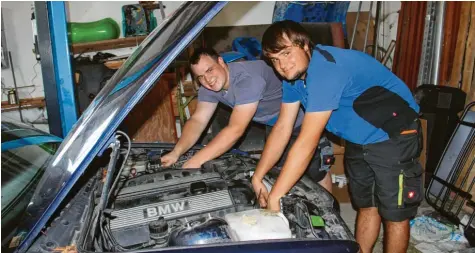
(21, 169)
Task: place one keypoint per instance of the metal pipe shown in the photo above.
(391, 47)
(367, 26)
(16, 88)
(356, 24)
(376, 30)
(438, 37)
(162, 11)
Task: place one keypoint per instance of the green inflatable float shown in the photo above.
(104, 29)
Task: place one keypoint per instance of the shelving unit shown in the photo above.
(80, 48)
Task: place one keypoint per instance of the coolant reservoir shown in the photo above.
(258, 224)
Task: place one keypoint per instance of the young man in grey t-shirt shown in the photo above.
(254, 92)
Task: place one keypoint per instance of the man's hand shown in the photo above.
(191, 132)
(169, 159)
(273, 203)
(227, 137)
(192, 164)
(277, 141)
(299, 155)
(261, 191)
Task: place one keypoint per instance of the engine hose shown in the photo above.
(122, 166)
(115, 246)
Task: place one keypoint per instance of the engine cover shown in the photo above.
(177, 196)
(172, 209)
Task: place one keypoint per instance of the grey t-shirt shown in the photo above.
(249, 82)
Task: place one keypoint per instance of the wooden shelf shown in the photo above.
(26, 103)
(80, 48)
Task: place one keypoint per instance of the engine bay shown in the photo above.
(175, 198)
(135, 203)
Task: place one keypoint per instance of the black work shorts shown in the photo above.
(314, 170)
(387, 175)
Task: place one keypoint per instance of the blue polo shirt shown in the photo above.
(335, 79)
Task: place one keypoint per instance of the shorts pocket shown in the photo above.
(384, 109)
(410, 184)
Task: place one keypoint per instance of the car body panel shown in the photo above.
(25, 154)
(33, 140)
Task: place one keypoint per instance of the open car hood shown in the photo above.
(124, 90)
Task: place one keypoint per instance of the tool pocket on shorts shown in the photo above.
(384, 109)
(410, 184)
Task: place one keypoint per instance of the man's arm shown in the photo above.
(299, 156)
(278, 139)
(191, 131)
(227, 137)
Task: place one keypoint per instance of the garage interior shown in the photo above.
(58, 56)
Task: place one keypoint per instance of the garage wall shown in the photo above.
(19, 38)
(28, 72)
(244, 13)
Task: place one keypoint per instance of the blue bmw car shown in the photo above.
(25, 154)
(100, 192)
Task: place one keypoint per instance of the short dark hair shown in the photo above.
(196, 56)
(273, 38)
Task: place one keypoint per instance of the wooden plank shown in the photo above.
(410, 68)
(447, 41)
(460, 48)
(338, 36)
(406, 41)
(79, 48)
(418, 39)
(455, 29)
(188, 93)
(27, 103)
(25, 100)
(409, 42)
(469, 54)
(471, 93)
(399, 42)
(174, 101)
(360, 29)
(152, 119)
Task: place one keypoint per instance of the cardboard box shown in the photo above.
(341, 194)
(338, 168)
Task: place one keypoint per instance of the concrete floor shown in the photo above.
(349, 216)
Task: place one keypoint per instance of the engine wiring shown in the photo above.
(302, 203)
(308, 218)
(293, 219)
(108, 240)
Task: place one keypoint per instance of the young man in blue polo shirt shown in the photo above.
(355, 97)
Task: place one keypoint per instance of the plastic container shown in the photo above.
(104, 29)
(258, 224)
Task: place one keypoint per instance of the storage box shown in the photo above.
(338, 169)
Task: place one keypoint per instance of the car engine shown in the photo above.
(135, 203)
(177, 196)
